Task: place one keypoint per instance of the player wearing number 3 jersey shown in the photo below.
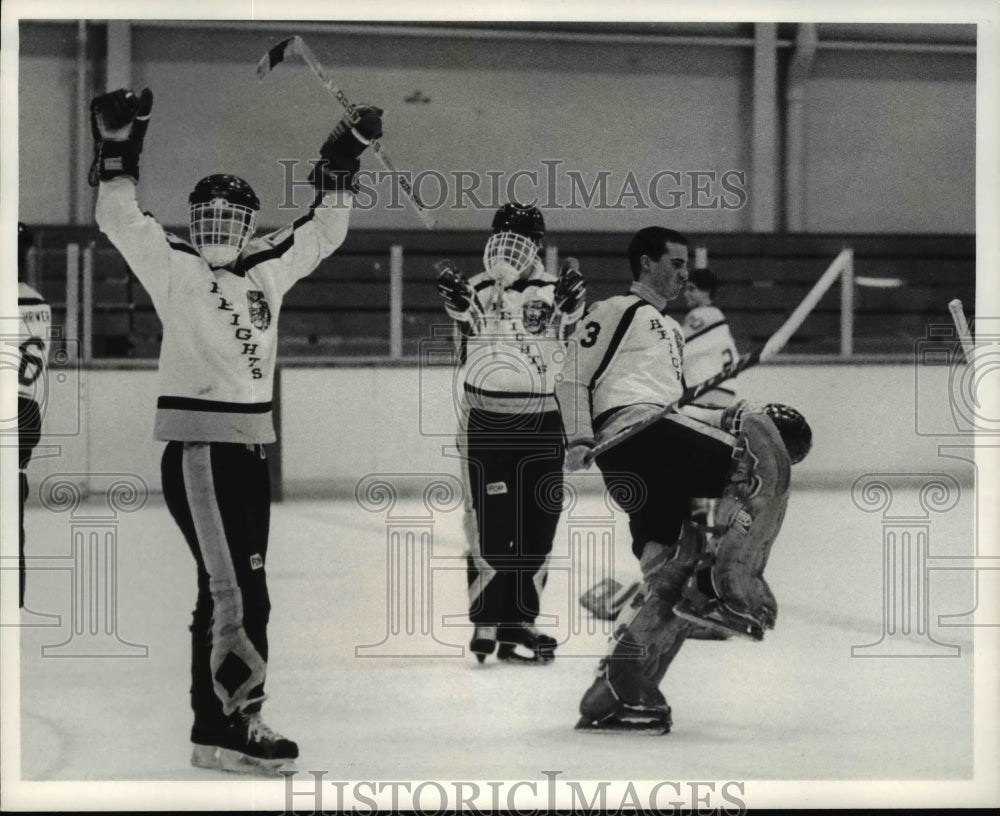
(625, 363)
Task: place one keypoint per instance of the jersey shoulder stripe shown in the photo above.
(538, 283)
(705, 330)
(181, 245)
(248, 262)
(624, 322)
(31, 301)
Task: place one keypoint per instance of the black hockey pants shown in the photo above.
(514, 466)
(655, 474)
(219, 494)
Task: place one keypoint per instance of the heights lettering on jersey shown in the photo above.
(676, 343)
(242, 333)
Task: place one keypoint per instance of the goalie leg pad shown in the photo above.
(626, 695)
(751, 510)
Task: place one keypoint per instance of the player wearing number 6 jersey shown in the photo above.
(33, 350)
(624, 364)
(219, 298)
(512, 319)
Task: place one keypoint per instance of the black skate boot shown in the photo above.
(540, 647)
(484, 642)
(244, 744)
(638, 708)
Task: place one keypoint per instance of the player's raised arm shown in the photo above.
(300, 247)
(570, 295)
(118, 122)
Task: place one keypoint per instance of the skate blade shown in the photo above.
(727, 626)
(506, 654)
(650, 728)
(225, 759)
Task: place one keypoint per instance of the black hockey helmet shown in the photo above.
(703, 279)
(516, 218)
(795, 431)
(232, 188)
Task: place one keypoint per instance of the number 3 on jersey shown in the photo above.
(593, 329)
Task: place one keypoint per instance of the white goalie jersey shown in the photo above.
(511, 348)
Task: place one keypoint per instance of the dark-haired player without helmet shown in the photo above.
(218, 298)
(624, 365)
(512, 320)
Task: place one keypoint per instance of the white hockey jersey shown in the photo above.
(33, 343)
(511, 357)
(708, 348)
(623, 363)
(219, 326)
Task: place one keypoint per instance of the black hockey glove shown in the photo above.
(118, 122)
(338, 164)
(570, 289)
(453, 287)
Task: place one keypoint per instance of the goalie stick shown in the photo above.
(962, 327)
(775, 344)
(296, 45)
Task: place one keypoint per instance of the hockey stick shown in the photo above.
(962, 327)
(774, 344)
(296, 45)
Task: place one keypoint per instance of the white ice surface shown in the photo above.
(797, 706)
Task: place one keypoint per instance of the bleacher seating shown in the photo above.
(342, 309)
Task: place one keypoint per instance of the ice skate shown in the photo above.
(603, 709)
(244, 744)
(484, 642)
(523, 643)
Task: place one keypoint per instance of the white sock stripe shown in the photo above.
(199, 486)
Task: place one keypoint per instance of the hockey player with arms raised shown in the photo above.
(218, 298)
(625, 364)
(512, 319)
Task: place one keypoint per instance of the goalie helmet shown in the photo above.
(223, 217)
(795, 431)
(526, 221)
(512, 250)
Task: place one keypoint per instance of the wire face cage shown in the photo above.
(508, 257)
(220, 229)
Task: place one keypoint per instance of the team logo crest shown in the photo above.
(536, 315)
(260, 312)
